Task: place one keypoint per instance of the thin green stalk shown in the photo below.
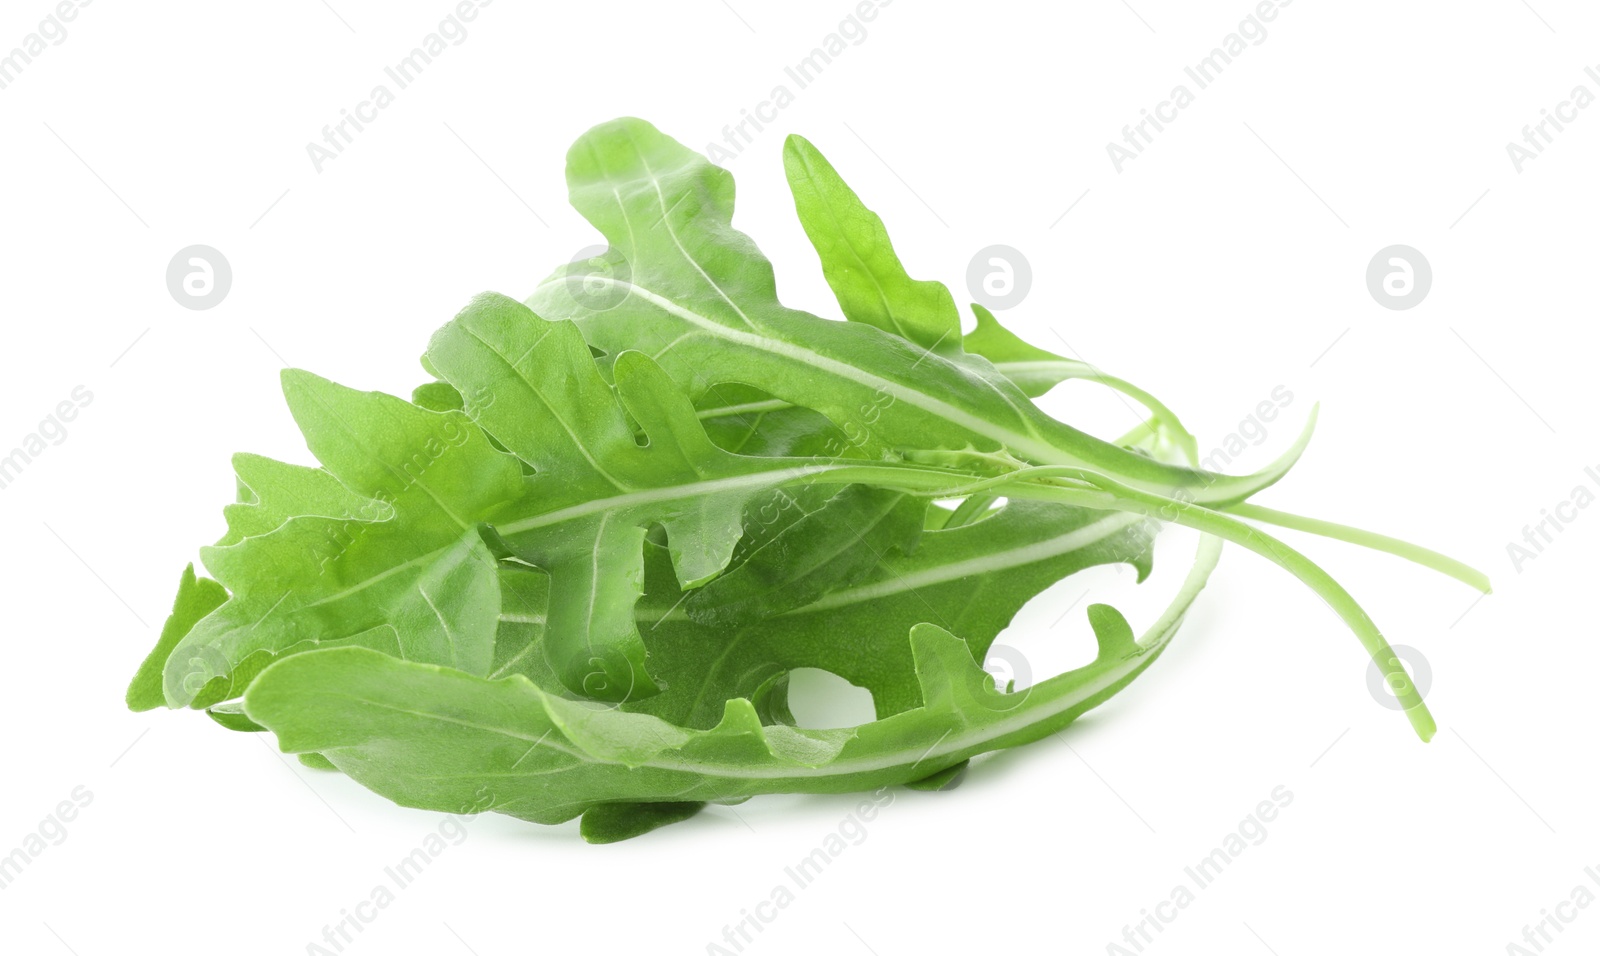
(969, 510)
(1145, 435)
(1162, 417)
(1426, 557)
(1117, 497)
(743, 408)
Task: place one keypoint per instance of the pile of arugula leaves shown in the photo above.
(572, 575)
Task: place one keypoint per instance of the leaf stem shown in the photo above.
(1116, 497)
(1161, 417)
(970, 510)
(1417, 554)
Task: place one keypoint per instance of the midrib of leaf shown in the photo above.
(970, 738)
(1042, 365)
(665, 493)
(656, 355)
(511, 663)
(666, 222)
(998, 561)
(594, 570)
(902, 583)
(752, 428)
(1068, 367)
(1029, 444)
(847, 236)
(598, 506)
(444, 625)
(797, 569)
(1026, 554)
(770, 405)
(365, 583)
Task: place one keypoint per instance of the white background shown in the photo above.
(1224, 261)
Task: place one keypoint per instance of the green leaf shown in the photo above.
(231, 715)
(272, 492)
(435, 738)
(403, 568)
(534, 387)
(396, 542)
(800, 545)
(696, 295)
(1111, 629)
(519, 640)
(858, 260)
(437, 397)
(748, 421)
(970, 580)
(573, 576)
(196, 598)
(614, 822)
(947, 779)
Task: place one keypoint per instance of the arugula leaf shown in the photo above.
(613, 822)
(403, 569)
(534, 387)
(196, 598)
(748, 421)
(858, 260)
(659, 464)
(519, 639)
(799, 546)
(435, 738)
(701, 300)
(395, 544)
(872, 286)
(970, 580)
